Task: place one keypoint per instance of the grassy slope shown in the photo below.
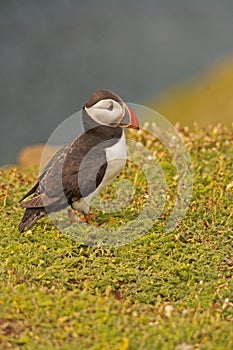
(161, 292)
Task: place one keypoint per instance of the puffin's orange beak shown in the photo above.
(129, 119)
(134, 120)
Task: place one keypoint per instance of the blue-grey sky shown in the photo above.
(53, 54)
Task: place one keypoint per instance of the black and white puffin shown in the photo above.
(82, 168)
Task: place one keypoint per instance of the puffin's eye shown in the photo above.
(110, 106)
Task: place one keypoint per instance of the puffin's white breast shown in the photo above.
(116, 156)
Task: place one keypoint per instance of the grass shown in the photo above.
(163, 291)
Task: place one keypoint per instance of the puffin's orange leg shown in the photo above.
(86, 218)
(72, 216)
(89, 218)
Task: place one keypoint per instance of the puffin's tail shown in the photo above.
(31, 215)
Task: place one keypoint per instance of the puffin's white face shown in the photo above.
(106, 112)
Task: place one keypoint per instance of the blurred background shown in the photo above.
(174, 56)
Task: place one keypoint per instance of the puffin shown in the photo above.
(82, 168)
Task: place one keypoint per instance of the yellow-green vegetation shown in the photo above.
(209, 95)
(164, 291)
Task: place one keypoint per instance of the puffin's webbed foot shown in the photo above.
(85, 218)
(89, 217)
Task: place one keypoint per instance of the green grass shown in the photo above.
(164, 291)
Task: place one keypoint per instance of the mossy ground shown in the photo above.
(163, 291)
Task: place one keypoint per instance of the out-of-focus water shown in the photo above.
(53, 54)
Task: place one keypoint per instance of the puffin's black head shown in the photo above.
(107, 108)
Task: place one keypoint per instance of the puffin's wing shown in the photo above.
(32, 190)
(75, 171)
(84, 170)
(59, 155)
(44, 191)
(39, 201)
